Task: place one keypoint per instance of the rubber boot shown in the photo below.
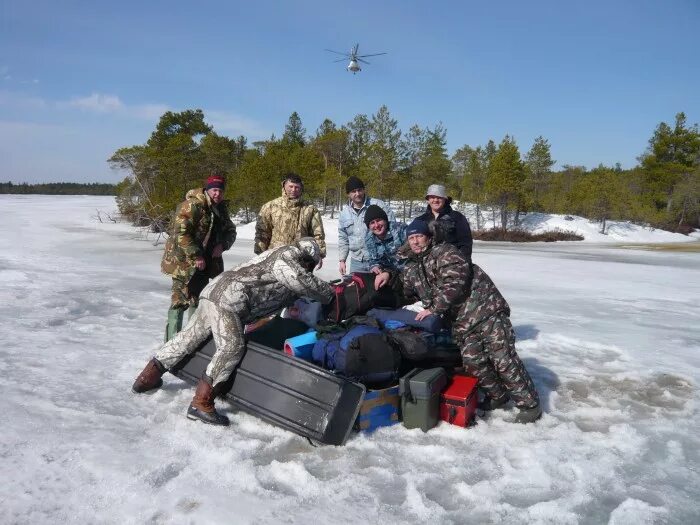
(202, 406)
(487, 404)
(175, 316)
(529, 415)
(149, 378)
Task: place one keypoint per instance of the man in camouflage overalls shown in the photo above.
(199, 233)
(250, 291)
(288, 218)
(449, 286)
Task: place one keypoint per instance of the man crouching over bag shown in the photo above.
(250, 291)
(448, 285)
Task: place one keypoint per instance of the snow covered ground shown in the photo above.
(610, 335)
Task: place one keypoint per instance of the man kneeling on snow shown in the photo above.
(250, 291)
(448, 285)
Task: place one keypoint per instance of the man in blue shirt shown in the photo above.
(352, 228)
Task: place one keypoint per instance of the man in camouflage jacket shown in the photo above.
(288, 218)
(266, 283)
(464, 295)
(199, 233)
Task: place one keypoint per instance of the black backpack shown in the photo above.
(374, 360)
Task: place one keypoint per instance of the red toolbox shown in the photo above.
(458, 401)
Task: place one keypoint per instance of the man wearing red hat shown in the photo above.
(199, 233)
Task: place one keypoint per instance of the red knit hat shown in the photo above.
(216, 181)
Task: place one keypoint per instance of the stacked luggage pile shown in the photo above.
(360, 368)
(383, 357)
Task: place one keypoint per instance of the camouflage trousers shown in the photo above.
(180, 297)
(488, 353)
(226, 328)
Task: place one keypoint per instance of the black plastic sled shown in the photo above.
(285, 391)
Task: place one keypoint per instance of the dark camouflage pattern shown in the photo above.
(464, 294)
(483, 302)
(488, 353)
(197, 227)
(283, 221)
(439, 277)
(180, 296)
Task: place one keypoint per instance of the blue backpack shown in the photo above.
(363, 354)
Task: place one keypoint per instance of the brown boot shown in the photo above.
(202, 406)
(150, 378)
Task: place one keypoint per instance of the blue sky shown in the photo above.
(78, 80)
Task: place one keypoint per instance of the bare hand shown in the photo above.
(381, 279)
(342, 267)
(423, 314)
(200, 263)
(376, 270)
(217, 251)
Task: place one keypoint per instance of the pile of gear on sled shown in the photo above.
(360, 363)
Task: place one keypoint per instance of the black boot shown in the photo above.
(202, 406)
(487, 404)
(150, 378)
(529, 415)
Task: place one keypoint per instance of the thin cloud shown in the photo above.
(148, 111)
(111, 104)
(234, 124)
(98, 103)
(223, 122)
(16, 100)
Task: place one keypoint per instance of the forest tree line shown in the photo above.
(59, 188)
(662, 190)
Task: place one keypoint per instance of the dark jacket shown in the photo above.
(452, 227)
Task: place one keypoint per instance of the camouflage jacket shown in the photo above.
(283, 221)
(197, 227)
(266, 283)
(448, 285)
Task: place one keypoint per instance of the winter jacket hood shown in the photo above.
(282, 221)
(198, 226)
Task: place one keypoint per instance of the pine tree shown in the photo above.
(383, 155)
(294, 132)
(333, 145)
(504, 184)
(471, 169)
(538, 162)
(671, 155)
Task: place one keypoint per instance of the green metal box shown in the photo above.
(420, 397)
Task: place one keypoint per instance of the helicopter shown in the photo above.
(354, 58)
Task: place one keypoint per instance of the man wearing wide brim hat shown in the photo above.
(451, 225)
